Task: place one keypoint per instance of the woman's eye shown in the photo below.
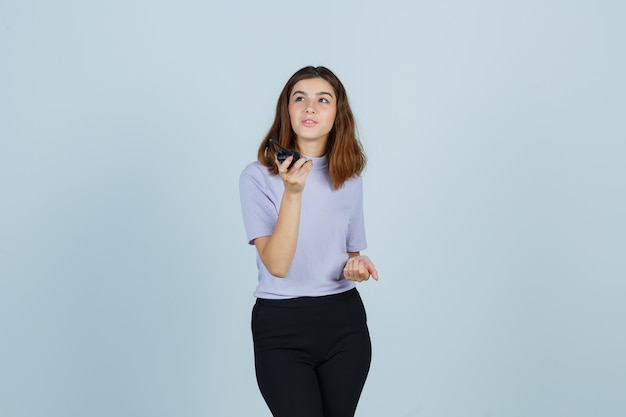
(323, 100)
(299, 99)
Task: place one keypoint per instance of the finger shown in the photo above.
(303, 166)
(348, 271)
(354, 266)
(364, 274)
(349, 276)
(284, 166)
(372, 270)
(350, 264)
(374, 273)
(354, 270)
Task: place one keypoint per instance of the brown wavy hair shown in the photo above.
(344, 152)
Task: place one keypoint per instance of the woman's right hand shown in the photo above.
(294, 177)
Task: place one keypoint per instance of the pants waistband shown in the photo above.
(307, 301)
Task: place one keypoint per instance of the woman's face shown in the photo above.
(312, 109)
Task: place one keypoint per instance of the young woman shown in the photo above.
(311, 342)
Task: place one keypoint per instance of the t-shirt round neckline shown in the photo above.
(318, 162)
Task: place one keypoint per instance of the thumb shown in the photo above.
(373, 271)
(370, 268)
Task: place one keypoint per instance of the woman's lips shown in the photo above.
(309, 122)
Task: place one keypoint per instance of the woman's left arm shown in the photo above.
(359, 268)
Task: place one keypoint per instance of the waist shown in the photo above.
(308, 301)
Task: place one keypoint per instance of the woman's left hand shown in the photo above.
(359, 268)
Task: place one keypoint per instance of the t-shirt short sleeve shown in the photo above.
(258, 209)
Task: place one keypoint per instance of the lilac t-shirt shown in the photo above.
(331, 224)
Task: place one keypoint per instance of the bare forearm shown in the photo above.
(279, 249)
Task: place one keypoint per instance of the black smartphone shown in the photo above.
(284, 153)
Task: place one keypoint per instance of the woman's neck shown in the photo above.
(313, 148)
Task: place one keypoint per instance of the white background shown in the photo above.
(495, 201)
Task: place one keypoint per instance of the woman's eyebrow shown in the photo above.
(321, 93)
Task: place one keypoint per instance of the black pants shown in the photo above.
(312, 354)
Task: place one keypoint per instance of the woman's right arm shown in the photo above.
(277, 250)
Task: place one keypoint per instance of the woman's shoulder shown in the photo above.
(255, 173)
(254, 169)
